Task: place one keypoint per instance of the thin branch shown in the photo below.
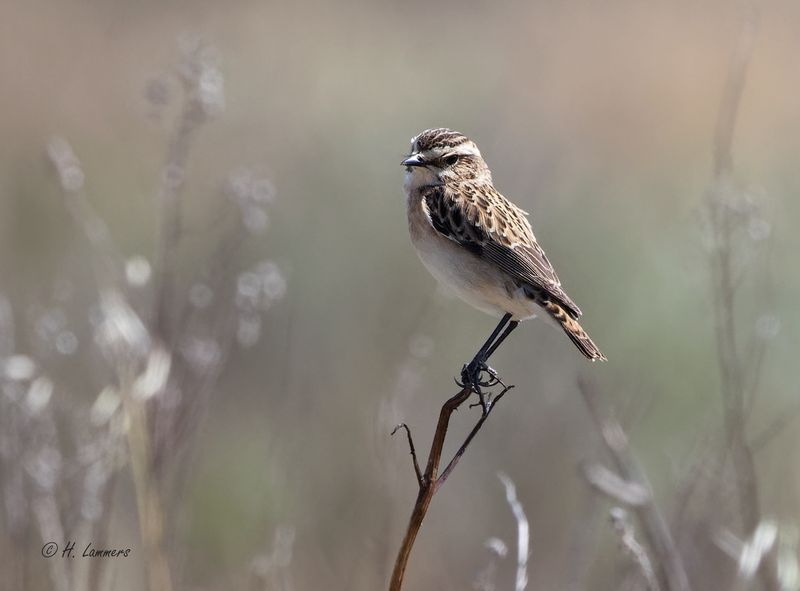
(106, 258)
(457, 456)
(623, 527)
(523, 532)
(417, 471)
(672, 573)
(582, 543)
(611, 485)
(202, 98)
(775, 428)
(485, 581)
(148, 498)
(755, 554)
(428, 489)
(766, 287)
(430, 482)
(172, 178)
(734, 389)
(732, 94)
(758, 356)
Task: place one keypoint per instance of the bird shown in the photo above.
(481, 245)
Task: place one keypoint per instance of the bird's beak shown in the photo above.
(414, 160)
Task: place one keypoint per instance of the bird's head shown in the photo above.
(444, 156)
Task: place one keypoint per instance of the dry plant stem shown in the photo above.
(427, 488)
(634, 548)
(732, 94)
(775, 428)
(168, 198)
(457, 456)
(148, 499)
(101, 573)
(523, 529)
(582, 544)
(724, 290)
(430, 480)
(609, 483)
(733, 383)
(152, 517)
(671, 572)
(413, 451)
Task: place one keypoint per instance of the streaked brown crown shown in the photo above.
(440, 137)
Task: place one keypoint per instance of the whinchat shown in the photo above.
(479, 244)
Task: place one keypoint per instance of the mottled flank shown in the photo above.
(451, 188)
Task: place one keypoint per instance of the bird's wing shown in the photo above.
(488, 225)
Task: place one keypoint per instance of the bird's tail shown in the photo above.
(574, 331)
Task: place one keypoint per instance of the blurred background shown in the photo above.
(208, 294)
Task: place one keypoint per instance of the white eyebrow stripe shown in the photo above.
(467, 149)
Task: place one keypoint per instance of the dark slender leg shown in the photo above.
(471, 372)
(501, 338)
(484, 351)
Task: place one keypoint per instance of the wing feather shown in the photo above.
(488, 225)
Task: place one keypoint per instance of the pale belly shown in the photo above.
(473, 280)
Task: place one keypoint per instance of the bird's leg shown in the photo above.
(469, 370)
(512, 325)
(480, 362)
(470, 374)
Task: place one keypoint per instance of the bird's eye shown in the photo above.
(451, 159)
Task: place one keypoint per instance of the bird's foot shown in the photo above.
(472, 376)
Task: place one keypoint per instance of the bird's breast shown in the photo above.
(467, 275)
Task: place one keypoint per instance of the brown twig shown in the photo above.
(457, 456)
(417, 471)
(430, 481)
